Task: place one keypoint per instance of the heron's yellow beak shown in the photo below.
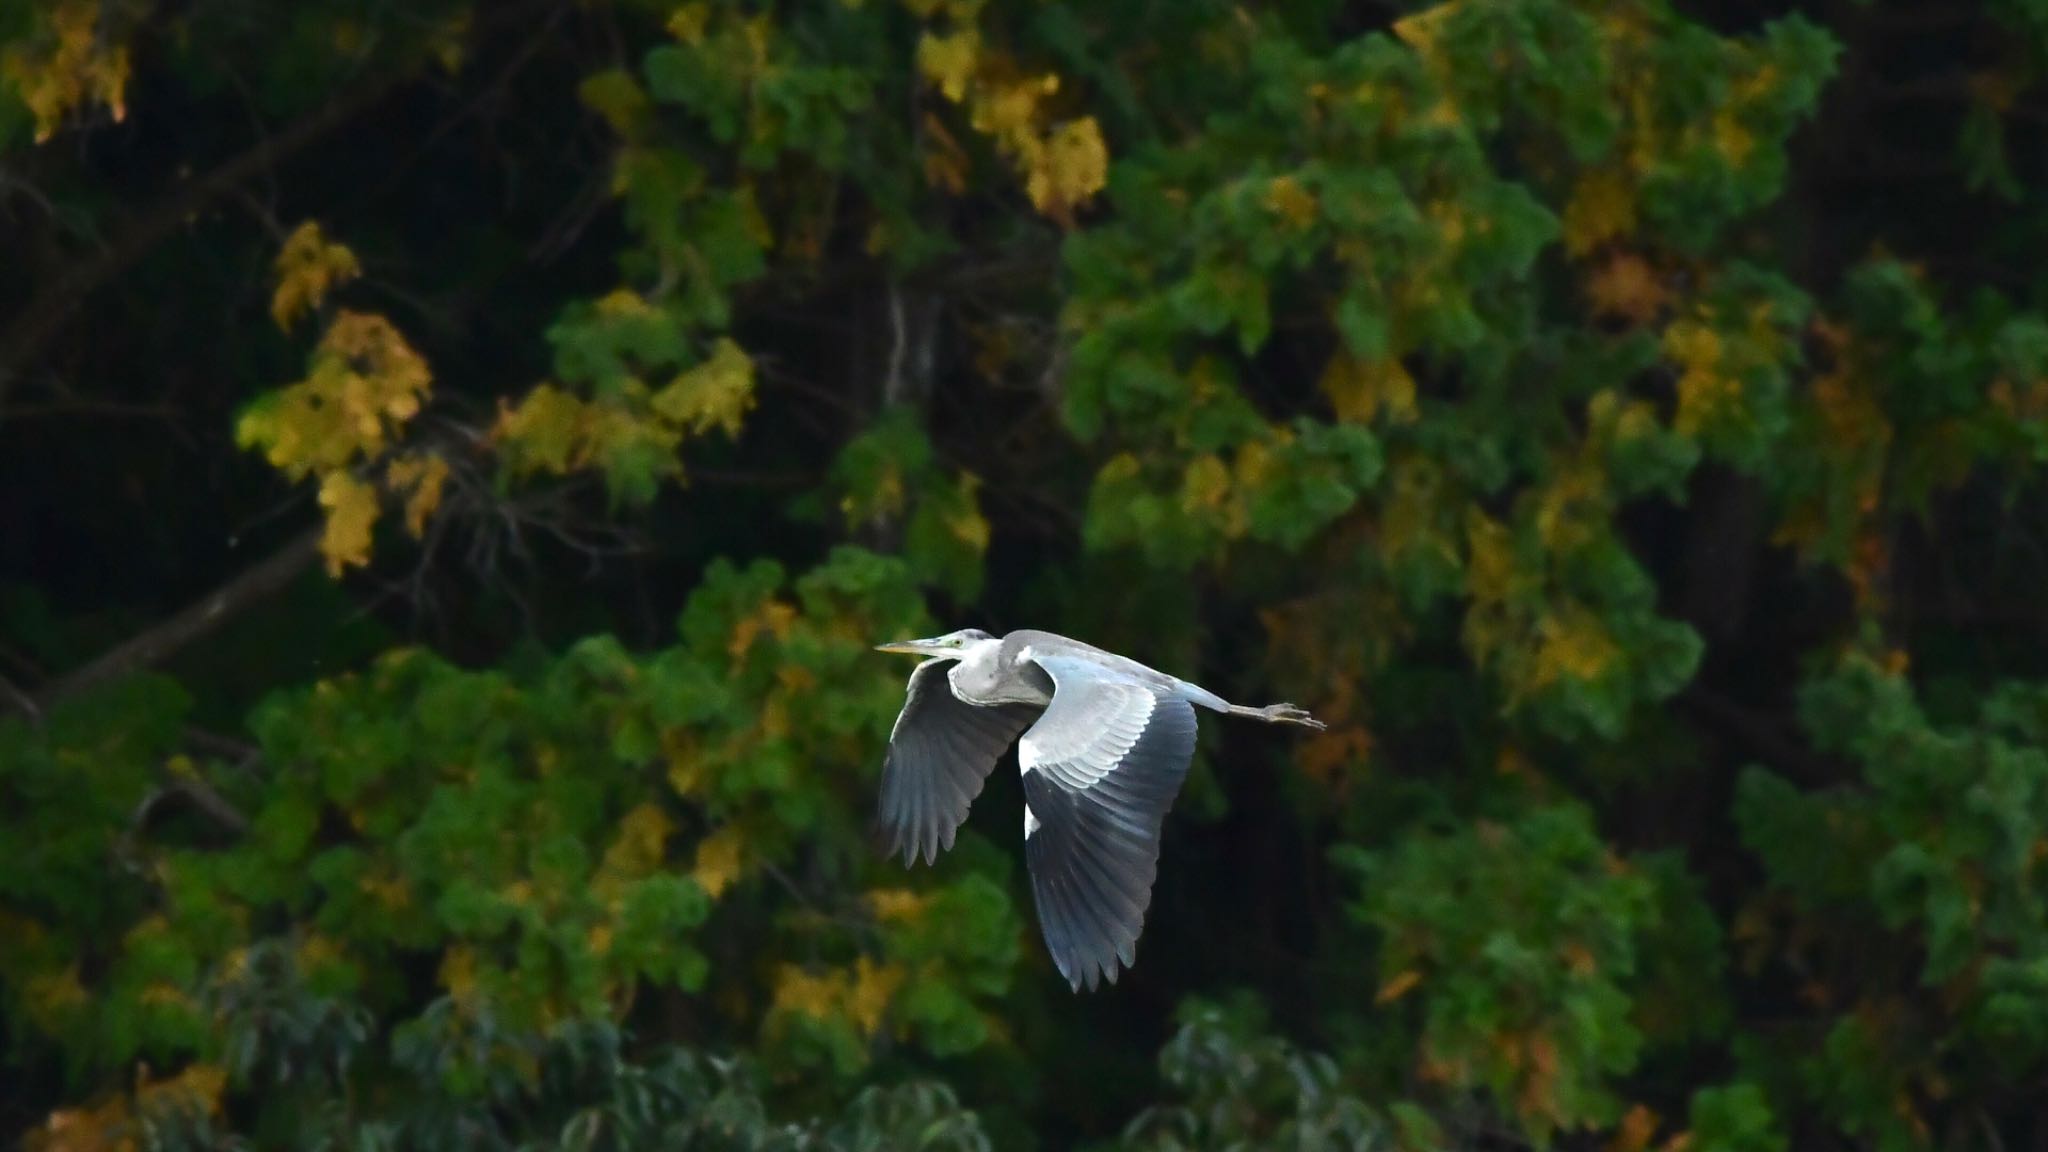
(913, 647)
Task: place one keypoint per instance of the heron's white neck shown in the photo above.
(985, 675)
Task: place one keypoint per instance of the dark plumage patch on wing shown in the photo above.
(1095, 851)
(939, 755)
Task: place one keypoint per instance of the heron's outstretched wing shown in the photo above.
(939, 754)
(1101, 768)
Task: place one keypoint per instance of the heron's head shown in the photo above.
(951, 644)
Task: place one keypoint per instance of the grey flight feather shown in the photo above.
(1107, 747)
(940, 752)
(1101, 768)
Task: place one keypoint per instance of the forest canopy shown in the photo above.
(458, 457)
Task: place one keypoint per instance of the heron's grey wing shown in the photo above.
(940, 752)
(1101, 768)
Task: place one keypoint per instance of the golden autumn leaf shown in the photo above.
(351, 509)
(542, 432)
(641, 843)
(1419, 30)
(1574, 644)
(1361, 391)
(1073, 166)
(1706, 389)
(898, 905)
(717, 393)
(949, 61)
(964, 521)
(1602, 206)
(419, 477)
(688, 21)
(1206, 483)
(874, 987)
(773, 617)
(77, 63)
(308, 267)
(364, 385)
(718, 860)
(1287, 199)
(800, 992)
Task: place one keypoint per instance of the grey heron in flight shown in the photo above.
(1107, 742)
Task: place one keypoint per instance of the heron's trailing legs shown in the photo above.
(1279, 714)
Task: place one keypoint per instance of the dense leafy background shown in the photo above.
(457, 457)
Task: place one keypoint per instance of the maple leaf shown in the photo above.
(949, 61)
(874, 986)
(308, 267)
(718, 860)
(717, 393)
(542, 432)
(351, 508)
(800, 992)
(1072, 166)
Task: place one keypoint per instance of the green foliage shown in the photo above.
(1532, 1002)
(1594, 411)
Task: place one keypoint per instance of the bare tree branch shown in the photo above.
(157, 643)
(26, 334)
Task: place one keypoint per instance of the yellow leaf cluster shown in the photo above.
(1064, 164)
(366, 383)
(551, 430)
(964, 520)
(351, 509)
(948, 61)
(308, 267)
(773, 617)
(639, 848)
(1602, 207)
(1287, 199)
(420, 477)
(1419, 30)
(715, 394)
(543, 432)
(1071, 166)
(1360, 392)
(77, 63)
(719, 860)
(898, 905)
(860, 995)
(1574, 644)
(1706, 391)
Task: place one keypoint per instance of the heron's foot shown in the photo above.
(1289, 714)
